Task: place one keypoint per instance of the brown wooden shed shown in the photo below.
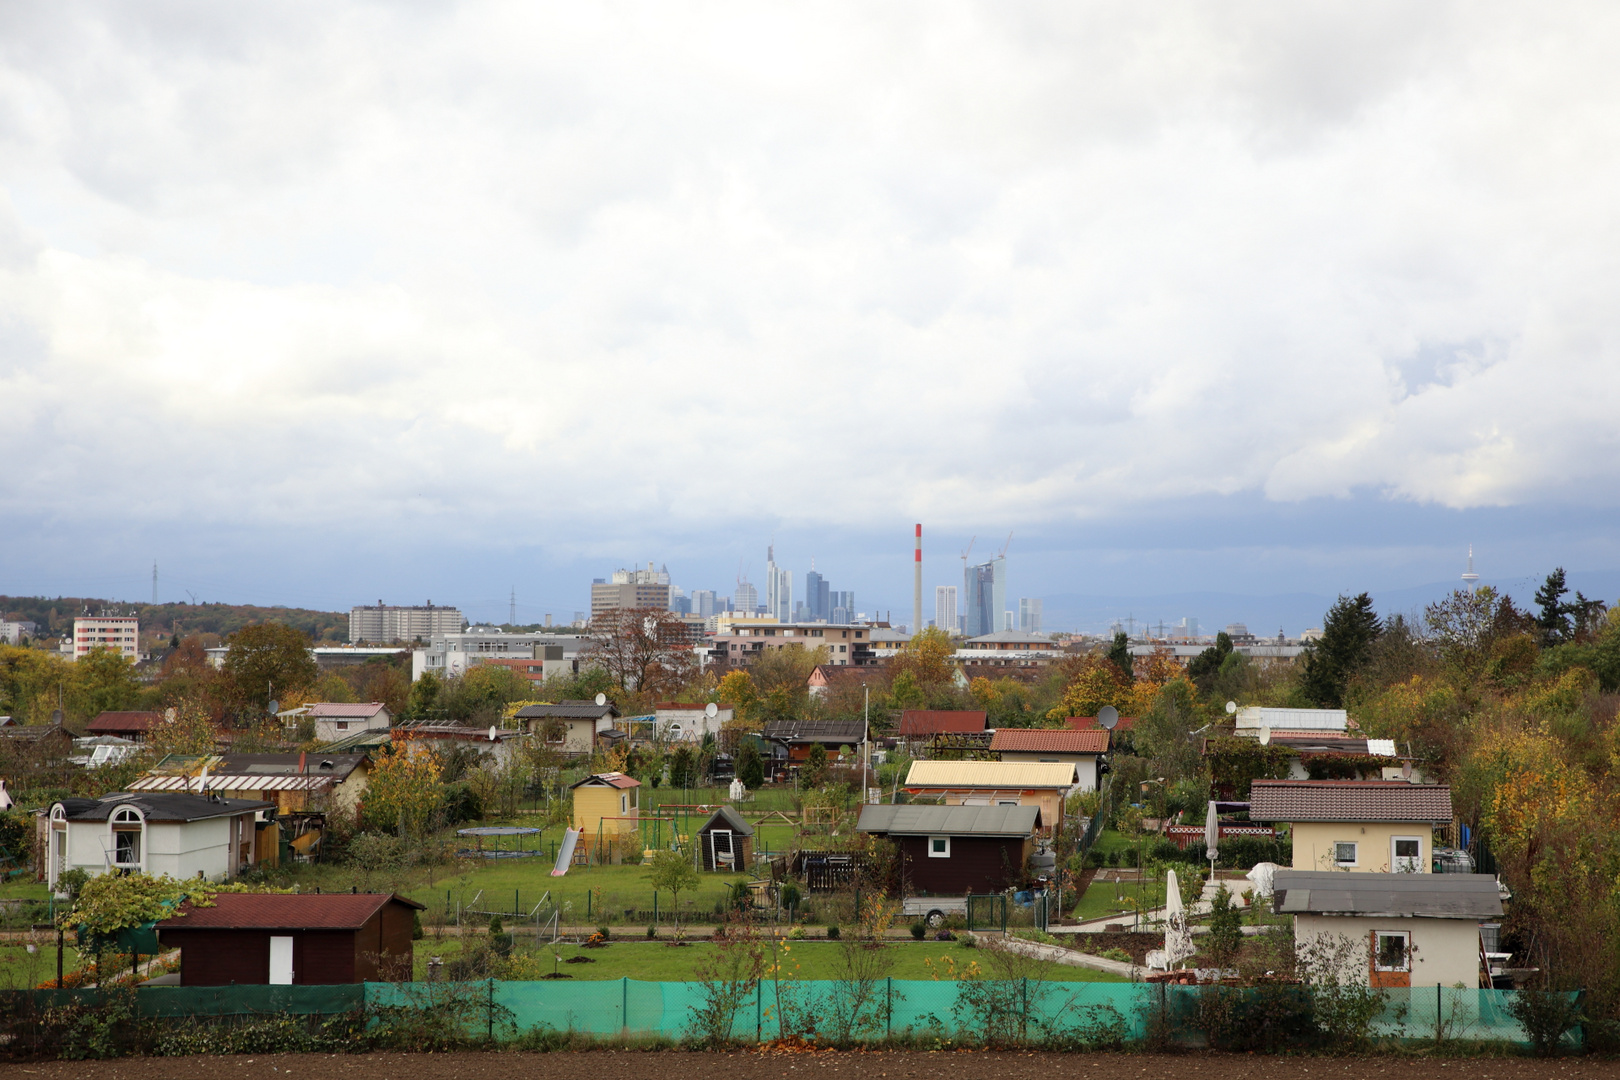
(288, 938)
(956, 850)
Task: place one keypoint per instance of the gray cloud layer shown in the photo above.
(488, 263)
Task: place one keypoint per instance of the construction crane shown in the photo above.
(965, 555)
(1005, 546)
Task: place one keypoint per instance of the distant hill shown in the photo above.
(55, 616)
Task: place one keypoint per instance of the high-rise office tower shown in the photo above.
(747, 598)
(817, 595)
(945, 608)
(985, 596)
(1029, 615)
(778, 588)
(703, 602)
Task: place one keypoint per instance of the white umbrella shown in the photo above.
(1212, 837)
(1177, 940)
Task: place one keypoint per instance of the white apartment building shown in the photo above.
(386, 622)
(945, 608)
(451, 655)
(120, 632)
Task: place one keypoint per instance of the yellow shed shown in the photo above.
(607, 813)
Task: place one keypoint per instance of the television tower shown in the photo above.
(1470, 578)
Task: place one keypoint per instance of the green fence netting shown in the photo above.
(1000, 1011)
(1003, 1011)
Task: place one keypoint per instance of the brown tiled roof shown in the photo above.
(608, 779)
(124, 721)
(283, 911)
(1089, 723)
(940, 721)
(1349, 800)
(1060, 741)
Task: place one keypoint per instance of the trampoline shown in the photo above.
(495, 833)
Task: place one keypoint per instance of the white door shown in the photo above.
(281, 973)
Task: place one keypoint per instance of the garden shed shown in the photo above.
(1392, 930)
(607, 813)
(956, 850)
(293, 939)
(727, 841)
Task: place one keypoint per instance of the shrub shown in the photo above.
(1547, 1017)
(832, 933)
(1112, 858)
(1116, 954)
(652, 931)
(1094, 859)
(919, 930)
(604, 933)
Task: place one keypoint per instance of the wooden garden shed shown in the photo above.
(727, 841)
(292, 939)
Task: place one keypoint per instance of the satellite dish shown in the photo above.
(1265, 734)
(492, 733)
(1231, 708)
(275, 706)
(1107, 717)
(711, 710)
(601, 699)
(1406, 771)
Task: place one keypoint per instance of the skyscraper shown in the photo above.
(747, 598)
(817, 595)
(945, 608)
(1029, 615)
(703, 602)
(778, 588)
(985, 596)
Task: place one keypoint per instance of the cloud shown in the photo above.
(494, 265)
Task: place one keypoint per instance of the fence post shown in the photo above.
(490, 1012)
(888, 1008)
(624, 1003)
(1023, 992)
(1439, 1011)
(759, 1011)
(655, 907)
(588, 904)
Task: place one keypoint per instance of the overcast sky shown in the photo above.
(325, 302)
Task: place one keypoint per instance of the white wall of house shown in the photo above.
(1085, 765)
(1444, 951)
(178, 849)
(694, 723)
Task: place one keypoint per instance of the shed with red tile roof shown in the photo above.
(1083, 749)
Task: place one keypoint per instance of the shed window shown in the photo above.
(939, 847)
(1344, 853)
(1393, 951)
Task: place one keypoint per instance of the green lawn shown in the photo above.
(659, 961)
(21, 970)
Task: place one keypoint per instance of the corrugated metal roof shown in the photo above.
(1434, 896)
(916, 820)
(990, 774)
(160, 806)
(568, 710)
(1349, 800)
(1059, 741)
(283, 911)
(1256, 716)
(253, 782)
(940, 721)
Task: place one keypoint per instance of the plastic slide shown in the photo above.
(565, 854)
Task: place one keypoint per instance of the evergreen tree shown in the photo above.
(1203, 668)
(1554, 619)
(750, 766)
(1348, 633)
(1120, 654)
